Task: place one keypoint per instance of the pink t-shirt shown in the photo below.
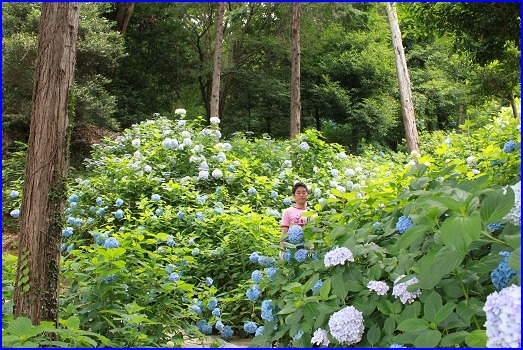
(292, 216)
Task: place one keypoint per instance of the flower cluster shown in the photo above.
(14, 194)
(509, 146)
(400, 290)
(346, 325)
(381, 288)
(503, 323)
(208, 281)
(317, 286)
(256, 276)
(295, 234)
(253, 293)
(320, 337)
(266, 310)
(394, 345)
(15, 213)
(111, 243)
(300, 255)
(204, 327)
(495, 226)
(403, 224)
(67, 232)
(174, 277)
(250, 327)
(514, 215)
(502, 275)
(338, 256)
(155, 197)
(304, 146)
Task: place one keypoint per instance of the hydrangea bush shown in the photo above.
(176, 230)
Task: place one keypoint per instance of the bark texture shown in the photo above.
(47, 165)
(295, 121)
(217, 71)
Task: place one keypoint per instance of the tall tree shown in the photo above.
(407, 107)
(47, 165)
(217, 71)
(123, 15)
(295, 121)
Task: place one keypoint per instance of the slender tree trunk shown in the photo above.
(47, 165)
(462, 114)
(215, 92)
(317, 118)
(407, 108)
(295, 122)
(123, 15)
(513, 104)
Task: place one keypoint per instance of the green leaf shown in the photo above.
(514, 260)
(444, 312)
(73, 323)
(477, 339)
(88, 340)
(20, 326)
(338, 287)
(452, 339)
(428, 339)
(457, 232)
(374, 334)
(432, 305)
(486, 264)
(294, 287)
(409, 237)
(413, 324)
(389, 326)
(496, 205)
(325, 288)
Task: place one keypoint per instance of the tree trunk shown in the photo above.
(513, 104)
(123, 14)
(407, 108)
(47, 165)
(217, 71)
(295, 122)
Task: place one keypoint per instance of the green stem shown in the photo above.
(494, 239)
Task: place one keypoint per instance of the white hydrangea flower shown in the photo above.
(349, 185)
(322, 201)
(182, 122)
(514, 215)
(203, 175)
(217, 174)
(147, 169)
(415, 154)
(187, 142)
(356, 187)
(472, 161)
(333, 184)
(180, 111)
(503, 323)
(338, 256)
(317, 192)
(400, 290)
(304, 146)
(350, 172)
(320, 337)
(475, 171)
(193, 159)
(135, 143)
(315, 169)
(197, 148)
(335, 173)
(411, 163)
(448, 142)
(221, 157)
(287, 163)
(341, 155)
(215, 120)
(203, 166)
(358, 169)
(181, 146)
(216, 133)
(346, 325)
(185, 134)
(381, 288)
(341, 189)
(138, 155)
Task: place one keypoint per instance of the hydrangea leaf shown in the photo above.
(477, 339)
(496, 205)
(514, 261)
(428, 339)
(457, 232)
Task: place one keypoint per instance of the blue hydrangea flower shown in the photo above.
(256, 276)
(254, 257)
(287, 201)
(70, 248)
(195, 252)
(317, 286)
(190, 241)
(74, 198)
(155, 197)
(212, 304)
(99, 200)
(300, 255)
(219, 251)
(295, 234)
(169, 268)
(230, 168)
(67, 232)
(218, 190)
(196, 309)
(218, 211)
(70, 220)
(111, 242)
(100, 211)
(266, 310)
(250, 327)
(204, 327)
(509, 146)
(274, 194)
(119, 202)
(180, 215)
(495, 226)
(62, 247)
(118, 214)
(199, 216)
(219, 325)
(265, 261)
(502, 275)
(170, 240)
(174, 277)
(298, 335)
(253, 293)
(259, 331)
(90, 220)
(208, 281)
(251, 191)
(202, 199)
(111, 278)
(315, 256)
(216, 312)
(403, 224)
(397, 346)
(271, 271)
(78, 222)
(227, 332)
(73, 204)
(287, 255)
(14, 194)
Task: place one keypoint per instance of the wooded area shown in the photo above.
(461, 57)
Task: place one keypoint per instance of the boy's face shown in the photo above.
(300, 195)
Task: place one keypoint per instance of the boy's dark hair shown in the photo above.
(299, 184)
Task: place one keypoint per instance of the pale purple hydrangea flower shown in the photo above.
(320, 337)
(503, 323)
(346, 325)
(338, 256)
(381, 288)
(400, 290)
(514, 215)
